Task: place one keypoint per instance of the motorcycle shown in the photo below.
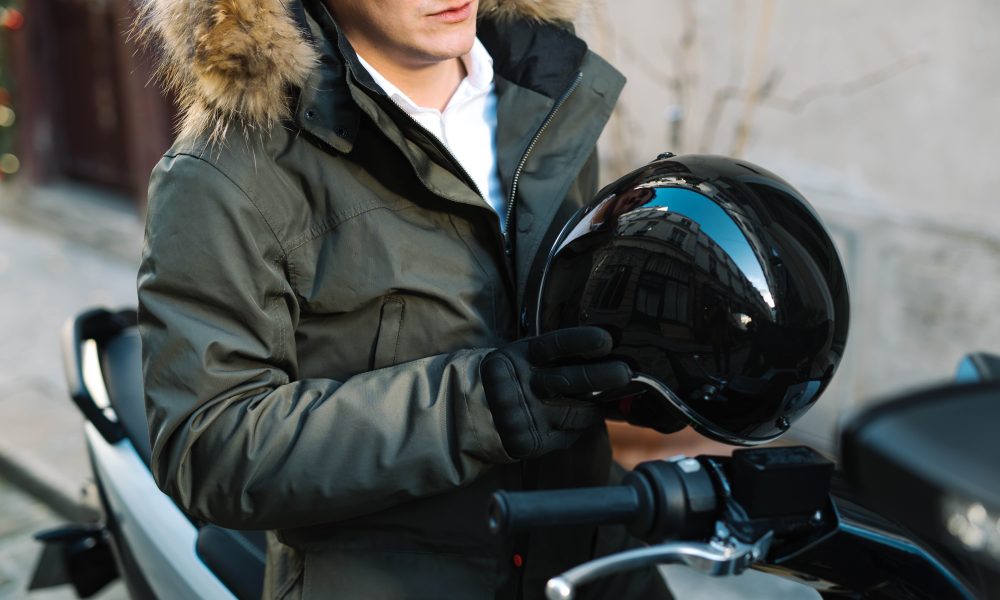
(144, 538)
(926, 462)
(908, 517)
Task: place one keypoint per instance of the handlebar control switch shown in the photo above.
(685, 503)
(771, 482)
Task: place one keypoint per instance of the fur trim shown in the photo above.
(228, 61)
(233, 61)
(541, 10)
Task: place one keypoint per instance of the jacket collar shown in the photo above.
(543, 57)
(240, 62)
(325, 107)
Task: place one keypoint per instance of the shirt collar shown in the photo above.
(478, 67)
(478, 75)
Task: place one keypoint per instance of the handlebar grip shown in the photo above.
(553, 508)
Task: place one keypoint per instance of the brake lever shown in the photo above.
(720, 556)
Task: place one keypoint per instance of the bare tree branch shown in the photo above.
(642, 62)
(754, 89)
(720, 99)
(686, 78)
(799, 102)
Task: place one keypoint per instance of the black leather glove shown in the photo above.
(530, 385)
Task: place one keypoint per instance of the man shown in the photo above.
(340, 252)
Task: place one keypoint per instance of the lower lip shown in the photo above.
(454, 16)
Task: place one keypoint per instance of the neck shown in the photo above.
(428, 84)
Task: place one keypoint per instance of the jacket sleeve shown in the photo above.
(236, 441)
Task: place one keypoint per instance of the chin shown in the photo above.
(460, 50)
(450, 45)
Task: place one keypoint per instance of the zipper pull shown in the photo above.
(508, 247)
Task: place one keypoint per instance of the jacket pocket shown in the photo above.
(387, 341)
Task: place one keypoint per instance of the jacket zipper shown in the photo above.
(506, 242)
(508, 246)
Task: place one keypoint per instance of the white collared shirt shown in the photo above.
(468, 124)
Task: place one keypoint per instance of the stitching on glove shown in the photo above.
(536, 437)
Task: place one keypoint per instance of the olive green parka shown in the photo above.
(320, 281)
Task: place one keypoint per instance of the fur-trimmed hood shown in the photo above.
(233, 61)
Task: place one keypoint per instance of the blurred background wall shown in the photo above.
(84, 111)
(882, 114)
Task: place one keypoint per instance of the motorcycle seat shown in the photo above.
(236, 557)
(121, 364)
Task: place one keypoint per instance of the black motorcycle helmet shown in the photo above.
(721, 289)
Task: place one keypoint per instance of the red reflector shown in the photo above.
(625, 405)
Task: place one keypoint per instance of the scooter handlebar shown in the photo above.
(510, 511)
(658, 500)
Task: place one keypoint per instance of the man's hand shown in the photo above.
(530, 385)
